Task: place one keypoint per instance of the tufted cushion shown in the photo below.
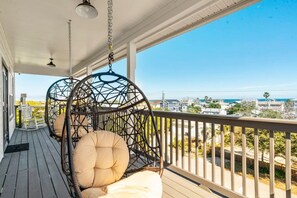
(92, 193)
(59, 123)
(100, 158)
(146, 184)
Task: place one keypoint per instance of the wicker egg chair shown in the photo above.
(55, 106)
(112, 111)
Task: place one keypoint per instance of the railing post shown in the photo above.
(222, 156)
(232, 158)
(256, 162)
(189, 146)
(196, 149)
(244, 161)
(288, 165)
(204, 152)
(271, 163)
(183, 144)
(176, 143)
(15, 113)
(20, 118)
(213, 152)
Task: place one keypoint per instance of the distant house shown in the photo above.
(273, 105)
(155, 103)
(171, 105)
(214, 111)
(183, 106)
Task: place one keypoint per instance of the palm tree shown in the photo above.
(266, 96)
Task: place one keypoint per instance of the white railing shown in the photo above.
(189, 148)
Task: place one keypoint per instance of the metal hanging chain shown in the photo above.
(70, 58)
(110, 39)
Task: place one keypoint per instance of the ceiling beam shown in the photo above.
(27, 69)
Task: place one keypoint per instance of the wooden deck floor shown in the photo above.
(37, 173)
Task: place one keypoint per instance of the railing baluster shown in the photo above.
(166, 140)
(243, 161)
(288, 164)
(183, 144)
(156, 122)
(213, 151)
(151, 132)
(222, 155)
(256, 162)
(204, 151)
(162, 136)
(232, 158)
(189, 146)
(271, 163)
(196, 149)
(171, 142)
(148, 132)
(176, 143)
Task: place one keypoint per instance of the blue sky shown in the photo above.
(239, 56)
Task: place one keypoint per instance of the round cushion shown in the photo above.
(100, 158)
(59, 123)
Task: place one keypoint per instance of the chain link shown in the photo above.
(110, 39)
(70, 58)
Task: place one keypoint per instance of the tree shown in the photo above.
(264, 134)
(269, 113)
(214, 105)
(266, 96)
(244, 108)
(289, 105)
(207, 99)
(194, 109)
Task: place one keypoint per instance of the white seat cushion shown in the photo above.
(59, 124)
(145, 184)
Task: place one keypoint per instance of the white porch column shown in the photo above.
(131, 61)
(131, 67)
(89, 70)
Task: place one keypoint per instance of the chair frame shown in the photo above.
(56, 100)
(116, 105)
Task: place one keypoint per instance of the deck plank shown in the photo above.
(34, 179)
(185, 185)
(12, 172)
(22, 180)
(52, 144)
(11, 177)
(171, 192)
(43, 167)
(5, 163)
(53, 168)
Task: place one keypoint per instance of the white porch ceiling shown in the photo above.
(37, 29)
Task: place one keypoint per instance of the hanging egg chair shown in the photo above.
(56, 99)
(55, 105)
(111, 134)
(111, 146)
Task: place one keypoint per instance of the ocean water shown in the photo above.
(232, 100)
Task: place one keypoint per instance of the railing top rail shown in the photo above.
(249, 122)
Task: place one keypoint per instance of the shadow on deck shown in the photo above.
(37, 173)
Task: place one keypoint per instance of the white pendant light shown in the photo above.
(86, 10)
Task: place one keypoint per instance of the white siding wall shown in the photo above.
(5, 55)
